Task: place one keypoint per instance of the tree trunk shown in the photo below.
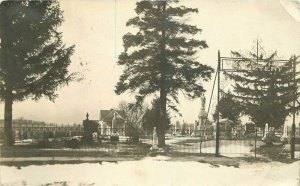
(161, 134)
(162, 119)
(163, 93)
(8, 132)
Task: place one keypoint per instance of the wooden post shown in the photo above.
(294, 113)
(218, 115)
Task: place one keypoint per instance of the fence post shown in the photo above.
(255, 143)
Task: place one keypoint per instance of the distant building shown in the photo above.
(112, 121)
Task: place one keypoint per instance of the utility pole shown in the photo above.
(218, 115)
(257, 50)
(294, 113)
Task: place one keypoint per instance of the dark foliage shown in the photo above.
(160, 57)
(228, 108)
(33, 59)
(265, 93)
(151, 117)
(73, 143)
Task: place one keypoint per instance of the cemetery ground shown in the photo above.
(124, 163)
(177, 148)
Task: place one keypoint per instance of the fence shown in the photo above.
(122, 142)
(197, 143)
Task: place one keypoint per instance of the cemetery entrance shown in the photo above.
(244, 86)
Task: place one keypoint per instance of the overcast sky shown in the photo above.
(96, 28)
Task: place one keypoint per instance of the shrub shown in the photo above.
(114, 138)
(73, 143)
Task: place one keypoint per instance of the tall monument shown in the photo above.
(202, 114)
(199, 125)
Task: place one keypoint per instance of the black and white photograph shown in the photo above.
(149, 92)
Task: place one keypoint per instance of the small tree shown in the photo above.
(133, 115)
(151, 117)
(33, 58)
(228, 108)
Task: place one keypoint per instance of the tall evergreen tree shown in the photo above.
(160, 57)
(33, 58)
(266, 91)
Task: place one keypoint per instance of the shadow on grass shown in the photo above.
(275, 153)
(84, 150)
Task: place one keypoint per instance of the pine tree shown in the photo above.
(160, 57)
(34, 59)
(266, 91)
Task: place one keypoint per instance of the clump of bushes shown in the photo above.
(114, 138)
(44, 144)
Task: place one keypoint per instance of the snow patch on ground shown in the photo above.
(229, 149)
(158, 158)
(149, 171)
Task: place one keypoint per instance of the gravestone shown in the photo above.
(95, 136)
(154, 140)
(114, 136)
(284, 137)
(89, 127)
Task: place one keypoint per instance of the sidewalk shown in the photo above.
(25, 161)
(46, 160)
(210, 159)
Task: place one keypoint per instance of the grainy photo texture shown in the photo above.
(149, 92)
